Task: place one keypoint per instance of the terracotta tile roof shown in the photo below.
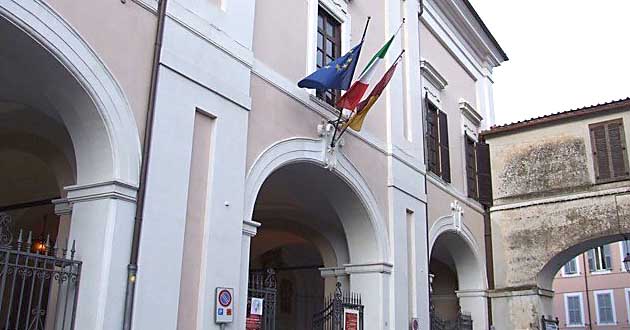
(558, 116)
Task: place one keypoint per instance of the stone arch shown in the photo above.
(548, 271)
(117, 144)
(450, 238)
(307, 150)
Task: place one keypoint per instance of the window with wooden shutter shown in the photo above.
(445, 163)
(432, 139)
(610, 157)
(471, 167)
(484, 179)
(328, 49)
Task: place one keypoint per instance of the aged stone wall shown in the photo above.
(542, 167)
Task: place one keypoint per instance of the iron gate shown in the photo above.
(262, 284)
(462, 322)
(38, 282)
(332, 317)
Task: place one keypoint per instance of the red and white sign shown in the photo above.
(351, 319)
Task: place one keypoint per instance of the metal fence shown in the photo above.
(462, 322)
(263, 284)
(334, 315)
(38, 282)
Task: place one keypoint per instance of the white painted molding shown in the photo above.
(101, 190)
(446, 224)
(333, 271)
(378, 267)
(471, 293)
(432, 75)
(469, 112)
(309, 150)
(48, 28)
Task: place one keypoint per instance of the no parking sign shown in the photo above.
(224, 312)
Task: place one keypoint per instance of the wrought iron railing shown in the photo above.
(332, 316)
(38, 282)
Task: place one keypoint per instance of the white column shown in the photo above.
(372, 282)
(250, 228)
(475, 303)
(485, 99)
(102, 225)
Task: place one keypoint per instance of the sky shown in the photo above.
(563, 54)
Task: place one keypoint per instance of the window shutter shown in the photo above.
(444, 154)
(617, 145)
(600, 152)
(471, 167)
(483, 173)
(607, 258)
(431, 137)
(591, 260)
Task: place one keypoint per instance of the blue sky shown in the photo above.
(564, 54)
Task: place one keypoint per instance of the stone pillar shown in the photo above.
(372, 282)
(102, 226)
(331, 276)
(520, 308)
(475, 303)
(250, 229)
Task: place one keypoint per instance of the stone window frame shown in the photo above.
(626, 293)
(566, 309)
(599, 252)
(621, 256)
(577, 268)
(596, 295)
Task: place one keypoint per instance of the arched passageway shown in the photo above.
(457, 280)
(316, 230)
(66, 174)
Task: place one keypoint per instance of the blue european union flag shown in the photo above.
(336, 74)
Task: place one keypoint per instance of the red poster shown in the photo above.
(352, 321)
(253, 322)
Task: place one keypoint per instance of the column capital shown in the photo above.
(471, 293)
(101, 190)
(520, 291)
(62, 206)
(250, 228)
(376, 267)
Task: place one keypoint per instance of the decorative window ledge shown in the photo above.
(469, 112)
(432, 75)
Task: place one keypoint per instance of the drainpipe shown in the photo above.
(588, 300)
(489, 257)
(132, 268)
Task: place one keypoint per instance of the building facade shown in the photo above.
(169, 141)
(591, 290)
(560, 189)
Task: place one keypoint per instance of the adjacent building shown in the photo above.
(592, 290)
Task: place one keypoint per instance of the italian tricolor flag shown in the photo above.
(350, 100)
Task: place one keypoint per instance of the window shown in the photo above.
(478, 183)
(609, 151)
(471, 167)
(573, 307)
(438, 159)
(599, 259)
(605, 307)
(624, 249)
(328, 48)
(570, 268)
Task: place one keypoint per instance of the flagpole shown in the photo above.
(346, 126)
(332, 142)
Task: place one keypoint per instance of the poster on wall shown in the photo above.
(351, 319)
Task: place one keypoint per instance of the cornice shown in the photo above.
(432, 75)
(465, 27)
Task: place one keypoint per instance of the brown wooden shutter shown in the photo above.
(600, 152)
(483, 173)
(616, 142)
(471, 167)
(444, 154)
(432, 139)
